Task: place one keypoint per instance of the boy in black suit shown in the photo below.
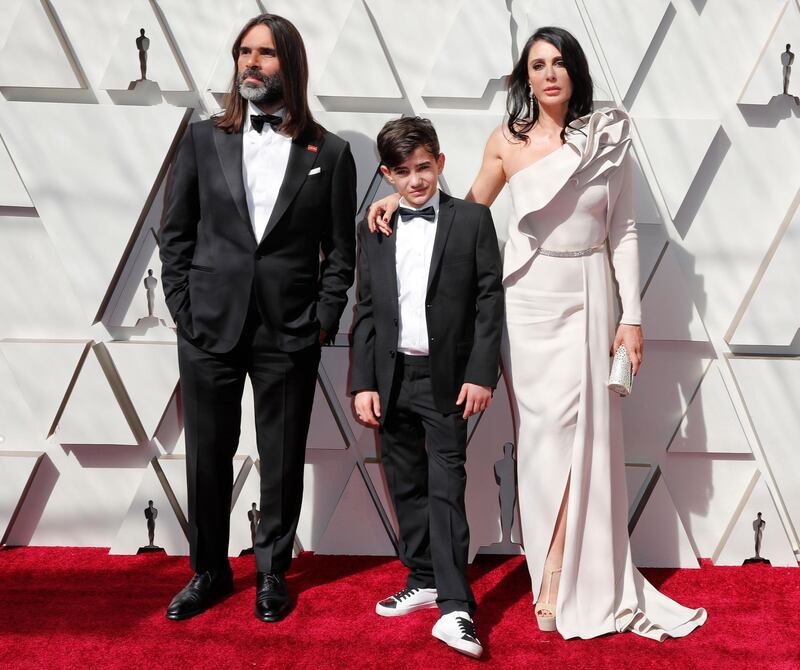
(426, 347)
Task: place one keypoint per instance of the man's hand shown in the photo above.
(368, 407)
(323, 336)
(475, 399)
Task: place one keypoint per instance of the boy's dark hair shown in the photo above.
(399, 139)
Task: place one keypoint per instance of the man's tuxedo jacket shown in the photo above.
(212, 261)
(463, 305)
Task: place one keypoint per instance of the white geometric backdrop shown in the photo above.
(89, 410)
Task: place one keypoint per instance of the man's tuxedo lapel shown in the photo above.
(446, 215)
(229, 148)
(301, 159)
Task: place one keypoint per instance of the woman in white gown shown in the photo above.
(569, 174)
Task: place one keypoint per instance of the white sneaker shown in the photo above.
(457, 630)
(406, 601)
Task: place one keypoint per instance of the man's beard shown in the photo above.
(269, 91)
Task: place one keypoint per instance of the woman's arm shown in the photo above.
(491, 177)
(489, 182)
(624, 245)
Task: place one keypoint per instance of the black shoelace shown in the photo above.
(467, 628)
(405, 593)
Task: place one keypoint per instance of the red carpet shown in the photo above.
(73, 608)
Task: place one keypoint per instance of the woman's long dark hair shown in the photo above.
(294, 73)
(521, 115)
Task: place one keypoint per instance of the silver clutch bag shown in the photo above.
(620, 379)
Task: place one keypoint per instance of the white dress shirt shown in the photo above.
(413, 252)
(265, 156)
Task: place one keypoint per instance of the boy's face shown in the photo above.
(417, 177)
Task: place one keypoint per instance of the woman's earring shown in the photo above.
(531, 100)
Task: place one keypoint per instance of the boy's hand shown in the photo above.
(477, 398)
(368, 407)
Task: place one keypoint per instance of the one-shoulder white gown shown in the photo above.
(560, 319)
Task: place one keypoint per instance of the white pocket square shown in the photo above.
(315, 170)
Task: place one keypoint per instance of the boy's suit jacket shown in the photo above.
(464, 306)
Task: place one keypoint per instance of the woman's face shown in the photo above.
(547, 74)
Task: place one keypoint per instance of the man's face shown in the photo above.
(258, 67)
(417, 177)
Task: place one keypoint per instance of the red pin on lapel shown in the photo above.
(312, 147)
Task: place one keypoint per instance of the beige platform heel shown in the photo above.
(546, 609)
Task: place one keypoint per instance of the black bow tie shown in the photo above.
(258, 120)
(429, 213)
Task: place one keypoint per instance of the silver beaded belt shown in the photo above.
(572, 254)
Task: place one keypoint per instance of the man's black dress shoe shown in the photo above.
(202, 591)
(272, 597)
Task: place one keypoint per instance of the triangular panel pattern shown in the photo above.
(771, 317)
(711, 424)
(88, 198)
(16, 471)
(766, 80)
(325, 477)
(324, 431)
(89, 23)
(18, 429)
(477, 49)
(378, 477)
(162, 68)
(460, 136)
(652, 240)
(133, 532)
(636, 476)
(413, 65)
(771, 390)
(361, 131)
(625, 31)
(34, 33)
(38, 301)
(661, 393)
(668, 310)
(12, 190)
(93, 414)
(358, 43)
(149, 373)
(740, 538)
(659, 539)
(356, 526)
(132, 309)
(711, 490)
(676, 148)
(32, 362)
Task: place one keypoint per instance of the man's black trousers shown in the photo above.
(211, 390)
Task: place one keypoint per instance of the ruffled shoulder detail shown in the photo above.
(602, 140)
(595, 144)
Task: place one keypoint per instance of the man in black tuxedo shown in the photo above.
(426, 350)
(257, 196)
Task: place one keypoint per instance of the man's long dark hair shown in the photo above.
(521, 116)
(294, 74)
